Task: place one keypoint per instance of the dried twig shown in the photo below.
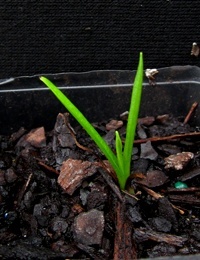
(191, 111)
(73, 134)
(49, 168)
(156, 196)
(130, 195)
(23, 190)
(167, 138)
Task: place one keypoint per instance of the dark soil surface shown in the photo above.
(60, 200)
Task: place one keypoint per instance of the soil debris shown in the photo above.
(143, 234)
(147, 151)
(60, 199)
(152, 179)
(88, 227)
(35, 137)
(10, 175)
(63, 132)
(114, 124)
(195, 49)
(178, 161)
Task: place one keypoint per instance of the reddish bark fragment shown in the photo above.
(124, 247)
(36, 137)
(114, 124)
(73, 172)
(148, 120)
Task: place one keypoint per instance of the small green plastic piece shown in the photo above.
(180, 185)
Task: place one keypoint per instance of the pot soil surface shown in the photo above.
(60, 199)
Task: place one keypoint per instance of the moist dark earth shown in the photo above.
(60, 198)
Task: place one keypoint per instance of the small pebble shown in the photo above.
(28, 198)
(162, 249)
(10, 175)
(2, 164)
(134, 215)
(196, 232)
(2, 177)
(148, 152)
(89, 227)
(59, 225)
(96, 199)
(39, 213)
(65, 212)
(161, 224)
(3, 192)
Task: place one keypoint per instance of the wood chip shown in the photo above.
(73, 172)
(143, 234)
(124, 246)
(178, 161)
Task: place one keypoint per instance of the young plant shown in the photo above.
(121, 161)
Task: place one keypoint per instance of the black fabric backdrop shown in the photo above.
(57, 36)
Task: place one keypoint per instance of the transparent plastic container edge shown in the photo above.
(100, 95)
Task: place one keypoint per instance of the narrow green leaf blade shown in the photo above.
(133, 116)
(101, 143)
(119, 152)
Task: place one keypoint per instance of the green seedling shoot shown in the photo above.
(121, 160)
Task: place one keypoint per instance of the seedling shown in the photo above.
(121, 161)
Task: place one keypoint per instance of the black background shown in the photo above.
(57, 36)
